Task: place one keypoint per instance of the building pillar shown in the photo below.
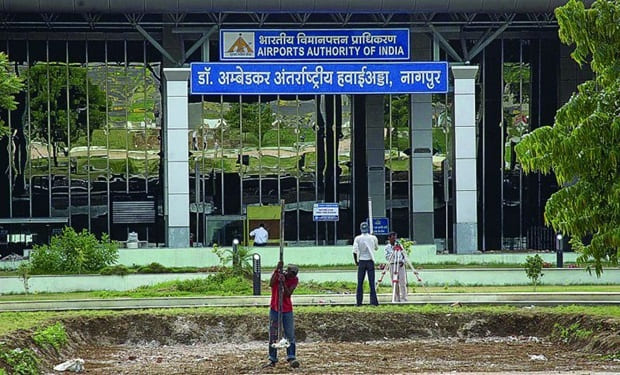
(176, 172)
(375, 153)
(466, 224)
(422, 206)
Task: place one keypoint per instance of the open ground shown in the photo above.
(365, 340)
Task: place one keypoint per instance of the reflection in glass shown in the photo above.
(515, 124)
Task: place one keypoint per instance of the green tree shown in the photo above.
(250, 112)
(533, 269)
(10, 85)
(48, 82)
(583, 146)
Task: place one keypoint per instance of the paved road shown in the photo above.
(520, 299)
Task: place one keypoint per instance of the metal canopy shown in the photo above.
(280, 6)
(152, 15)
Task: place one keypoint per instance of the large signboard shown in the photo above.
(317, 44)
(321, 78)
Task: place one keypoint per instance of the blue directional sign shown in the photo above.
(318, 78)
(314, 44)
(380, 225)
(325, 212)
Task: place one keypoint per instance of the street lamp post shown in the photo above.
(559, 250)
(235, 257)
(256, 274)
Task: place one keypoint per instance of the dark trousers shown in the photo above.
(366, 267)
(288, 323)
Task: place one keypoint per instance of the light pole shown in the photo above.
(235, 257)
(256, 274)
(559, 251)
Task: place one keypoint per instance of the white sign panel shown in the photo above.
(325, 212)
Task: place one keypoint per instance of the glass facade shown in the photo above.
(86, 135)
(86, 149)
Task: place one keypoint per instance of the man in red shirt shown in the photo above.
(287, 281)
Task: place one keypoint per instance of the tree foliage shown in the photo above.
(250, 113)
(583, 146)
(10, 85)
(49, 82)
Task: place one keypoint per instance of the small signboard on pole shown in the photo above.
(325, 212)
(380, 225)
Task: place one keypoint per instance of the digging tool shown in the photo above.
(283, 343)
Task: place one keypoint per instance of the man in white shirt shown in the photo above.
(364, 247)
(260, 235)
(396, 261)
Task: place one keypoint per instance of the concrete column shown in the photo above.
(176, 186)
(422, 210)
(422, 169)
(466, 224)
(375, 153)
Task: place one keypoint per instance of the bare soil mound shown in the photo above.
(336, 341)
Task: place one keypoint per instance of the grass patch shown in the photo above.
(570, 334)
(429, 266)
(222, 284)
(19, 361)
(225, 284)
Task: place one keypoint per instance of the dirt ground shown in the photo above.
(339, 342)
(513, 354)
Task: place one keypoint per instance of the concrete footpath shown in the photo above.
(519, 299)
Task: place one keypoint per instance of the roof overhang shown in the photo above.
(280, 6)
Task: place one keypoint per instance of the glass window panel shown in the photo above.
(515, 104)
(443, 136)
(307, 167)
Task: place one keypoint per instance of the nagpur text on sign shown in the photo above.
(319, 78)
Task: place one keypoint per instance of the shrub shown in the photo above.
(153, 268)
(72, 252)
(118, 269)
(54, 335)
(241, 261)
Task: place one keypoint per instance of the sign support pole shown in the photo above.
(370, 215)
(282, 230)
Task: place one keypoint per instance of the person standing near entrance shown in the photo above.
(396, 261)
(260, 235)
(364, 246)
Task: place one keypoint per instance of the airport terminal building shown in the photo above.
(110, 134)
